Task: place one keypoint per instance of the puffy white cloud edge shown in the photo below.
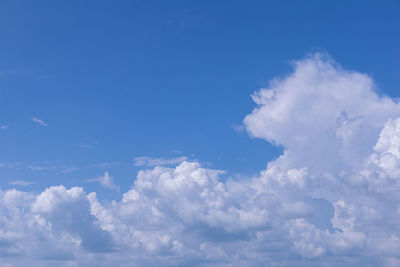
(332, 197)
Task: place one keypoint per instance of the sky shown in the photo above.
(199, 133)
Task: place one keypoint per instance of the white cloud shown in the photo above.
(151, 162)
(39, 121)
(321, 109)
(4, 127)
(331, 198)
(106, 181)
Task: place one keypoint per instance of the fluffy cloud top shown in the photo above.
(330, 199)
(321, 109)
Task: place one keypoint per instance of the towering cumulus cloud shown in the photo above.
(331, 199)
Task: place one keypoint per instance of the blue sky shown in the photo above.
(91, 92)
(136, 78)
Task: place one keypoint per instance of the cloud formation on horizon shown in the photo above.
(331, 198)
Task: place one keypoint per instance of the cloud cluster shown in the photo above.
(330, 199)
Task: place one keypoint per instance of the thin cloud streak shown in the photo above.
(21, 183)
(151, 162)
(39, 121)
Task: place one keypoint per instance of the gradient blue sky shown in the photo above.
(115, 80)
(138, 133)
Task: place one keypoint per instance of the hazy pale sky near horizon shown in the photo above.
(149, 102)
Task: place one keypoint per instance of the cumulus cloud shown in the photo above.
(320, 103)
(331, 198)
(39, 121)
(151, 162)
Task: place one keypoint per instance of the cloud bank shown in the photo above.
(332, 197)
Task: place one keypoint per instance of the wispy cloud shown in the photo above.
(105, 165)
(21, 183)
(39, 121)
(69, 169)
(56, 168)
(11, 165)
(238, 128)
(84, 146)
(106, 181)
(42, 168)
(151, 162)
(4, 127)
